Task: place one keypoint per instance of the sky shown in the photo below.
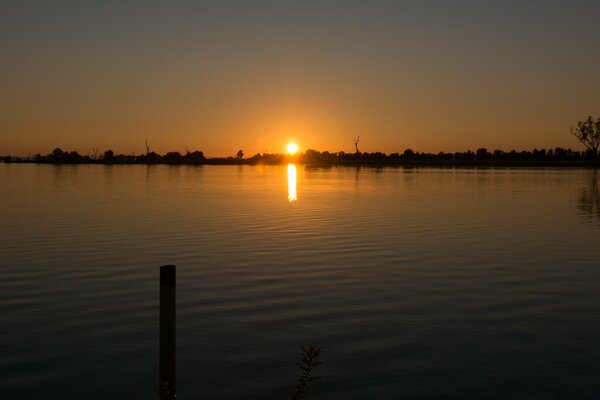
(220, 76)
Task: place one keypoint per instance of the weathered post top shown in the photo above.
(167, 275)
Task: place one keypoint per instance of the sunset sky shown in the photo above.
(222, 76)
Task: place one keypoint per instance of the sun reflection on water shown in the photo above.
(292, 196)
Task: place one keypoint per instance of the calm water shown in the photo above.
(419, 283)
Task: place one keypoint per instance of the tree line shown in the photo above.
(481, 156)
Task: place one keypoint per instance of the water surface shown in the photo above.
(419, 283)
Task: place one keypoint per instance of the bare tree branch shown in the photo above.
(588, 133)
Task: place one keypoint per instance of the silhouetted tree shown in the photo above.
(195, 157)
(588, 133)
(108, 155)
(408, 154)
(356, 140)
(172, 157)
(560, 153)
(240, 154)
(73, 157)
(482, 154)
(539, 154)
(152, 158)
(310, 156)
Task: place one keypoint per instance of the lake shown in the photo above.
(418, 283)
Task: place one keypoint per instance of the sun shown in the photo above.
(292, 148)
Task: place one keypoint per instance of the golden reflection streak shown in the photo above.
(292, 196)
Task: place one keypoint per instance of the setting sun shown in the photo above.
(292, 148)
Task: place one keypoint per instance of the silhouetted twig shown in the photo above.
(309, 362)
(164, 392)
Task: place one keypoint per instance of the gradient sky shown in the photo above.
(222, 76)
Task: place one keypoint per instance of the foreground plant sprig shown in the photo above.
(309, 362)
(164, 392)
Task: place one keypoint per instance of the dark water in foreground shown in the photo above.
(419, 283)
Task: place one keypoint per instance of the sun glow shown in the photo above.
(292, 148)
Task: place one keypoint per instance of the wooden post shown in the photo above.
(167, 332)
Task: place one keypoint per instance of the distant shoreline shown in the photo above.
(557, 157)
